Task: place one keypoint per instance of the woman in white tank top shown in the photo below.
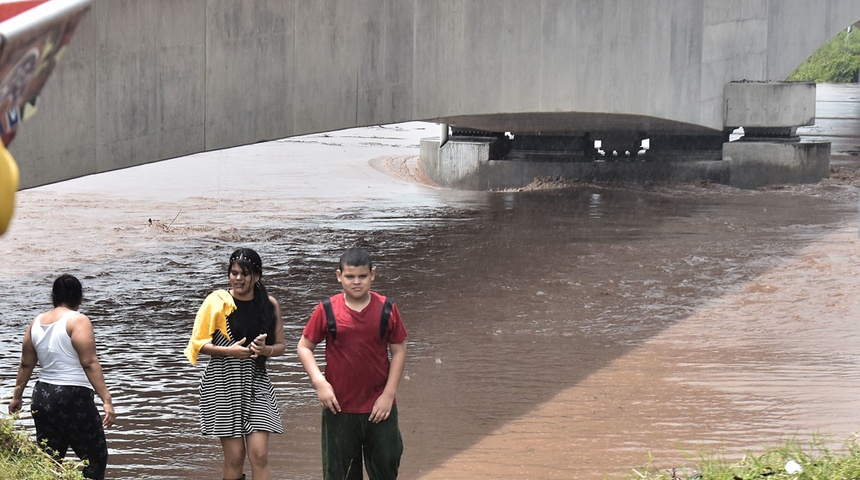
(62, 342)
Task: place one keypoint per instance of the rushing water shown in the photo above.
(552, 334)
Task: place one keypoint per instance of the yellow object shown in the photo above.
(211, 317)
(8, 187)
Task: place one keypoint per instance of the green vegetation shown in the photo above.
(789, 461)
(838, 61)
(21, 458)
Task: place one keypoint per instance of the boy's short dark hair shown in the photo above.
(355, 257)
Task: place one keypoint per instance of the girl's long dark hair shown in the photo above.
(249, 261)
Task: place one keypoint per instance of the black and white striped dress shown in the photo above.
(236, 396)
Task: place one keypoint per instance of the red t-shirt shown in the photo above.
(357, 361)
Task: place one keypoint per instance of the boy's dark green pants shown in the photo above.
(346, 435)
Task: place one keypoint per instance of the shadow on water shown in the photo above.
(510, 298)
(540, 292)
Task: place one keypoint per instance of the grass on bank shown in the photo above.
(21, 458)
(838, 61)
(792, 460)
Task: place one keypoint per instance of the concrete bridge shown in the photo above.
(148, 81)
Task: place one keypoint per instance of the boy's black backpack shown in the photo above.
(332, 324)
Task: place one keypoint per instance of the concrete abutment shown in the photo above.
(769, 152)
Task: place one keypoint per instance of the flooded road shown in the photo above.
(552, 333)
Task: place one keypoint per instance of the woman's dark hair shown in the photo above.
(67, 292)
(249, 261)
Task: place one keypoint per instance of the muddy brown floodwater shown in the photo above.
(554, 333)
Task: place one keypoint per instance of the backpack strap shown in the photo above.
(383, 320)
(329, 318)
(332, 324)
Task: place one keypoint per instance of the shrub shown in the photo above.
(21, 458)
(837, 61)
(789, 461)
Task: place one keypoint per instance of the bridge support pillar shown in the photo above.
(770, 152)
(754, 164)
(457, 163)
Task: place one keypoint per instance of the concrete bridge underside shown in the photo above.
(148, 81)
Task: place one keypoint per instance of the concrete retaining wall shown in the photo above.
(745, 164)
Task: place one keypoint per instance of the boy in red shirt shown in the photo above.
(357, 391)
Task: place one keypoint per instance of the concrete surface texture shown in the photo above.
(147, 81)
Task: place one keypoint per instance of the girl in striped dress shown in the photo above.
(239, 329)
